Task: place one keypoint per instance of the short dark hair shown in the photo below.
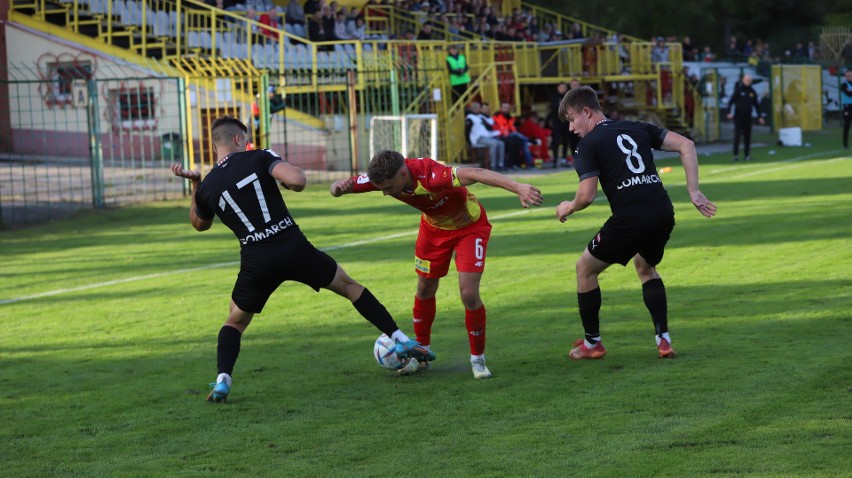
(384, 165)
(225, 128)
(577, 99)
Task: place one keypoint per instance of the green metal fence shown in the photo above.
(87, 135)
(86, 138)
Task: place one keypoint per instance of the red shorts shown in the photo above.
(435, 247)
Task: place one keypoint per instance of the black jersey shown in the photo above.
(743, 102)
(245, 196)
(619, 153)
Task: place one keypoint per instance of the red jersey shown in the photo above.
(438, 193)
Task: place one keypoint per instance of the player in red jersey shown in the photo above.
(453, 220)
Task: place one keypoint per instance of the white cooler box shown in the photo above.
(790, 136)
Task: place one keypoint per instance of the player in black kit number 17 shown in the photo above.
(242, 189)
(618, 154)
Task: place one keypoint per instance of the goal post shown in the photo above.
(414, 136)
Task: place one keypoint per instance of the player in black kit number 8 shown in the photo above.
(618, 154)
(242, 189)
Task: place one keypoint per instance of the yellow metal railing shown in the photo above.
(454, 143)
(208, 43)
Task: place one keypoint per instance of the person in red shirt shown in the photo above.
(270, 19)
(505, 124)
(533, 128)
(453, 221)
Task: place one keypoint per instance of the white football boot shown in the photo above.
(413, 366)
(480, 371)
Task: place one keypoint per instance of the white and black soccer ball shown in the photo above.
(385, 353)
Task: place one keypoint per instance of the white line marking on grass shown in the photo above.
(789, 160)
(781, 168)
(213, 266)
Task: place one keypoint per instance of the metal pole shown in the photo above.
(353, 122)
(96, 158)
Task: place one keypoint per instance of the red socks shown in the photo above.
(424, 315)
(474, 320)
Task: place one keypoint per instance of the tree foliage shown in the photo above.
(711, 22)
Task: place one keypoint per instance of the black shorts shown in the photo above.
(264, 267)
(622, 237)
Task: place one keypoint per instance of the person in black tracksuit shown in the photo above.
(846, 101)
(743, 102)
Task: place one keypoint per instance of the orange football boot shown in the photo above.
(665, 349)
(580, 351)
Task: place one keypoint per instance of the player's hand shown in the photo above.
(564, 209)
(704, 206)
(192, 175)
(529, 195)
(730, 116)
(341, 187)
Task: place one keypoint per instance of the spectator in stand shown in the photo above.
(221, 4)
(294, 14)
(660, 51)
(533, 128)
(533, 27)
(800, 53)
(708, 56)
(357, 30)
(767, 55)
(340, 27)
(252, 15)
(425, 32)
(329, 23)
(748, 48)
(813, 52)
(687, 48)
(482, 134)
(490, 17)
(846, 53)
(505, 124)
(315, 30)
(459, 78)
(311, 7)
(512, 144)
(352, 15)
(561, 134)
(576, 32)
(754, 59)
(270, 20)
(733, 52)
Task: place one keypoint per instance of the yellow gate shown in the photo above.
(797, 96)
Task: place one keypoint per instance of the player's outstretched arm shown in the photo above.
(587, 190)
(527, 193)
(689, 159)
(195, 178)
(291, 177)
(341, 187)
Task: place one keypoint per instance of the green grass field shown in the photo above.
(105, 359)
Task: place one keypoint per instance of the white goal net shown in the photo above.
(415, 136)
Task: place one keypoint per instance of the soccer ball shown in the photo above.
(385, 353)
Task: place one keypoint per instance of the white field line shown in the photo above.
(788, 166)
(214, 266)
(789, 160)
